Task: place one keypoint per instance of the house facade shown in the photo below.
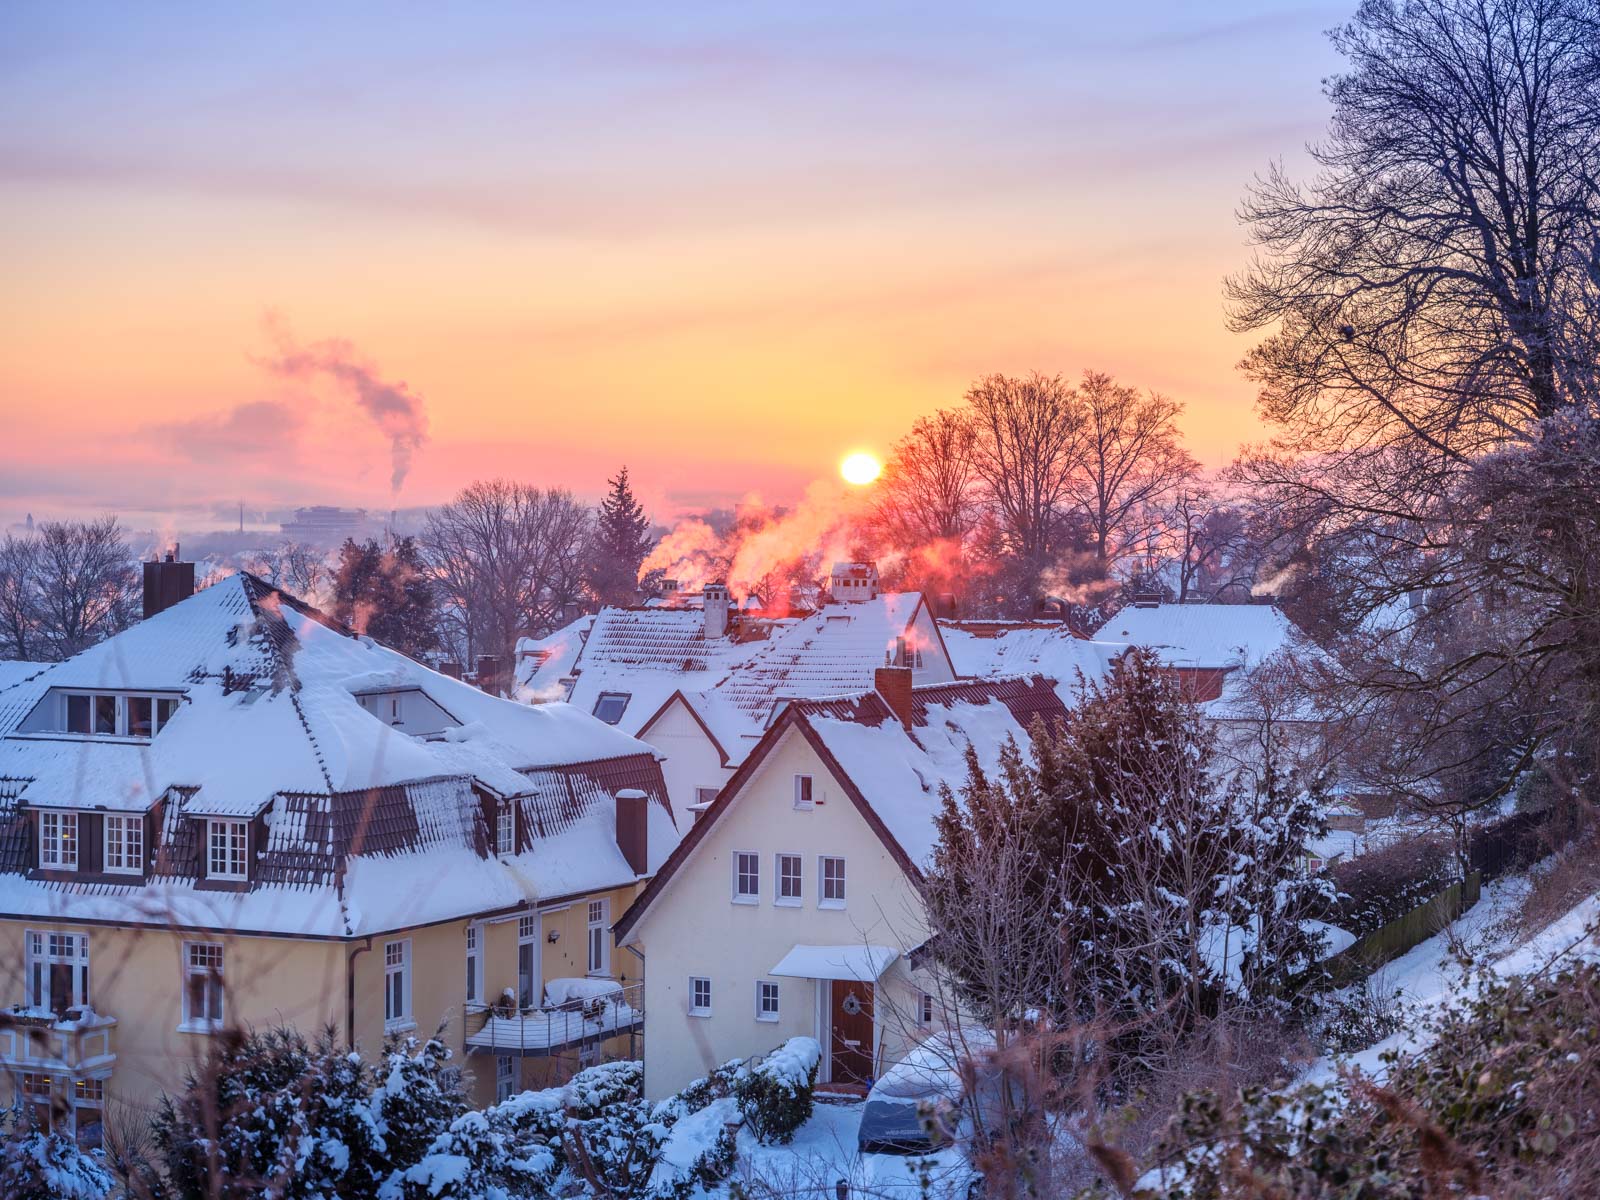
(702, 683)
(239, 814)
(791, 906)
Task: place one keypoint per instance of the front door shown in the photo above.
(850, 1046)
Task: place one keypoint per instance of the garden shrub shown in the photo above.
(1384, 885)
(775, 1094)
(35, 1165)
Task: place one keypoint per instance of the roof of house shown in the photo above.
(14, 671)
(733, 685)
(1204, 635)
(892, 774)
(1052, 650)
(366, 827)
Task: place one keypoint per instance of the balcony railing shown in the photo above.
(542, 1032)
(76, 1042)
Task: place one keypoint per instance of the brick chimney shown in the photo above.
(715, 600)
(166, 582)
(488, 675)
(894, 685)
(633, 829)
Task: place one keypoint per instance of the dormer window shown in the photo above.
(58, 841)
(505, 828)
(115, 714)
(226, 842)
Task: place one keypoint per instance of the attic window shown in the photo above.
(225, 849)
(611, 705)
(113, 714)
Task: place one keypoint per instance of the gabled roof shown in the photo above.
(357, 813)
(892, 775)
(1026, 648)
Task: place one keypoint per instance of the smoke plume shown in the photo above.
(393, 407)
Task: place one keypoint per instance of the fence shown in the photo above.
(1401, 934)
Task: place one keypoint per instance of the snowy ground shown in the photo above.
(1428, 976)
(824, 1152)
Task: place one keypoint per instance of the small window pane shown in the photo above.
(105, 714)
(165, 710)
(611, 705)
(77, 714)
(139, 716)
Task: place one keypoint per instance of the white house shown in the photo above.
(790, 908)
(701, 685)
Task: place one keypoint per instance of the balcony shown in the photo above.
(605, 1009)
(76, 1042)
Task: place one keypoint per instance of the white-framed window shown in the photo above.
(474, 964)
(38, 1090)
(746, 877)
(124, 843)
(705, 795)
(58, 840)
(790, 890)
(58, 970)
(766, 1000)
(116, 714)
(88, 1112)
(599, 942)
(831, 892)
(505, 828)
(925, 1009)
(530, 979)
(611, 705)
(699, 996)
(505, 1078)
(397, 984)
(802, 793)
(203, 987)
(225, 849)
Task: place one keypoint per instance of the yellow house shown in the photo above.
(791, 906)
(238, 813)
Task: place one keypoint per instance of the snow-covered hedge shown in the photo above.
(775, 1093)
(596, 1089)
(46, 1166)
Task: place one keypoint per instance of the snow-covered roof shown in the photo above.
(15, 671)
(892, 773)
(1052, 650)
(734, 683)
(356, 813)
(857, 962)
(1204, 635)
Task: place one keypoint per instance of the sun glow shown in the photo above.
(860, 468)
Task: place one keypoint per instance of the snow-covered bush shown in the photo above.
(35, 1165)
(698, 1152)
(775, 1093)
(616, 1151)
(477, 1158)
(593, 1090)
(715, 1085)
(418, 1098)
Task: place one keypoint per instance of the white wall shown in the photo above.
(694, 927)
(924, 633)
(692, 760)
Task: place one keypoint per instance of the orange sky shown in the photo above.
(724, 256)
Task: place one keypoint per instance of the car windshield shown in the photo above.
(894, 1127)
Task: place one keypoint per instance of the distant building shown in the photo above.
(325, 525)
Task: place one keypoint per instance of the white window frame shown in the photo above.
(88, 1096)
(780, 878)
(232, 839)
(213, 971)
(805, 793)
(625, 697)
(58, 835)
(925, 1009)
(50, 948)
(767, 989)
(505, 1078)
(129, 856)
(706, 795)
(529, 934)
(824, 900)
(696, 1009)
(397, 1011)
(599, 913)
(122, 718)
(742, 858)
(505, 828)
(474, 939)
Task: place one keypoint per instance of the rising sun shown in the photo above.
(860, 468)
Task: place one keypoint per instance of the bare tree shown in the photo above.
(1030, 438)
(1131, 460)
(85, 585)
(510, 558)
(928, 492)
(299, 568)
(19, 600)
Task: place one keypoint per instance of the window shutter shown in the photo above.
(91, 843)
(257, 845)
(152, 835)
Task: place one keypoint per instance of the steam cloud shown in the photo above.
(396, 410)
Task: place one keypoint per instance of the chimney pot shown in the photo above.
(894, 685)
(714, 600)
(633, 829)
(488, 677)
